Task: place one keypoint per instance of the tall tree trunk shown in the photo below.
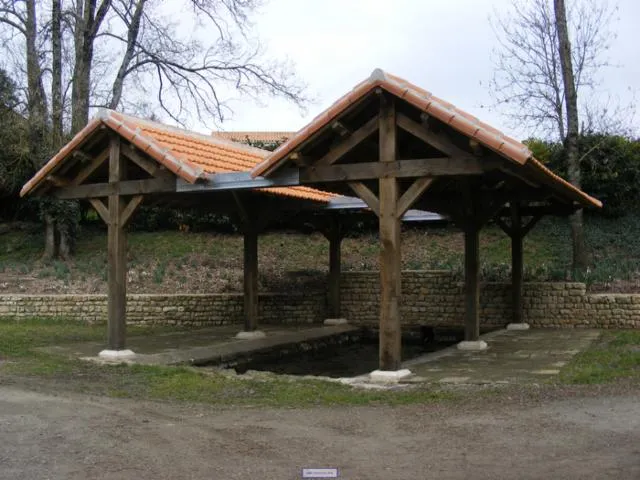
(88, 21)
(56, 74)
(580, 258)
(36, 102)
(132, 38)
(50, 246)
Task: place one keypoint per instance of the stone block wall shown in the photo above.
(196, 309)
(429, 298)
(437, 299)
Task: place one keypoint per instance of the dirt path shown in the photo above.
(77, 437)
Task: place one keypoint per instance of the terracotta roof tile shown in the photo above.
(189, 155)
(242, 137)
(459, 120)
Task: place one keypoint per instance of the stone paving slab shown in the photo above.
(203, 346)
(529, 356)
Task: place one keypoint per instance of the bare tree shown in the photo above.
(189, 68)
(189, 74)
(548, 58)
(571, 141)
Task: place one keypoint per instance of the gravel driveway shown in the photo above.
(76, 437)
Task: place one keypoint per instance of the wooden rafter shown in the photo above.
(125, 187)
(130, 209)
(436, 140)
(349, 143)
(366, 195)
(408, 198)
(102, 210)
(91, 167)
(148, 165)
(436, 167)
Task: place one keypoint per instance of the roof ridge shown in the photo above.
(195, 135)
(378, 75)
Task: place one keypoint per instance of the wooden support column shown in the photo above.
(117, 254)
(251, 223)
(516, 262)
(472, 281)
(250, 237)
(389, 224)
(334, 236)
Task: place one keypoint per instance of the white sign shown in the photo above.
(319, 473)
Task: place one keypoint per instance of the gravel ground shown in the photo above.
(588, 433)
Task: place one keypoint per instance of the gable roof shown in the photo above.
(189, 155)
(243, 137)
(463, 122)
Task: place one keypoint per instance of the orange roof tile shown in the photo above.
(243, 137)
(189, 155)
(460, 120)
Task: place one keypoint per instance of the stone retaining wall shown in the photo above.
(437, 298)
(196, 309)
(429, 298)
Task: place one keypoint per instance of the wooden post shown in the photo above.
(516, 262)
(250, 278)
(389, 223)
(472, 280)
(116, 254)
(335, 240)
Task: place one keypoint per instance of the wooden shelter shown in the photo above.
(387, 141)
(395, 146)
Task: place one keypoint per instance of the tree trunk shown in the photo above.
(580, 259)
(64, 246)
(88, 22)
(50, 250)
(56, 74)
(36, 102)
(132, 39)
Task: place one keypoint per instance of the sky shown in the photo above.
(442, 46)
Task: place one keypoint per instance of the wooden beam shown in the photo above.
(116, 254)
(472, 281)
(131, 207)
(389, 224)
(366, 195)
(503, 225)
(436, 140)
(91, 167)
(340, 128)
(530, 224)
(516, 263)
(408, 198)
(250, 244)
(150, 166)
(101, 209)
(126, 187)
(419, 167)
(243, 213)
(349, 142)
(57, 181)
(334, 235)
(513, 172)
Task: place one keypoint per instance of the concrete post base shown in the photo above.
(116, 354)
(518, 326)
(330, 322)
(388, 376)
(473, 346)
(255, 334)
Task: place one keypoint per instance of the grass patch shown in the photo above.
(20, 360)
(614, 356)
